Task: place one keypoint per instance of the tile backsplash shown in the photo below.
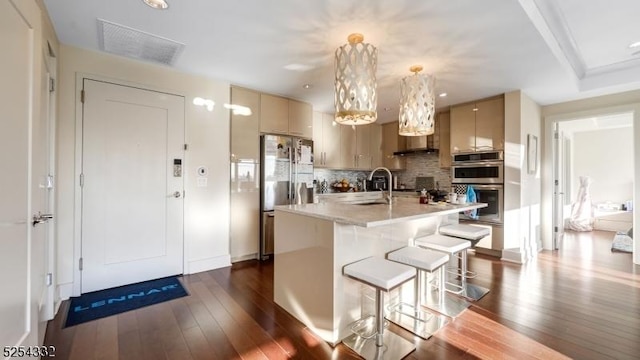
(417, 165)
(424, 165)
(335, 175)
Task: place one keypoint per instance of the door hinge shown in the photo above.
(556, 182)
(80, 264)
(556, 136)
(81, 180)
(52, 84)
(555, 229)
(82, 96)
(49, 279)
(186, 146)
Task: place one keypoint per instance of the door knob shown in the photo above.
(177, 194)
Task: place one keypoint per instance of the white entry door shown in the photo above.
(16, 93)
(132, 185)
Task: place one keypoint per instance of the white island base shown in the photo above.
(313, 242)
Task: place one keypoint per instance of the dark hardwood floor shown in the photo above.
(582, 302)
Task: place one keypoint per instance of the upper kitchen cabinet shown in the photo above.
(444, 138)
(375, 145)
(392, 142)
(363, 147)
(279, 115)
(274, 114)
(347, 146)
(326, 141)
(355, 147)
(300, 119)
(490, 124)
(477, 126)
(245, 132)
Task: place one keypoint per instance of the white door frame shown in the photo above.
(548, 161)
(559, 185)
(50, 307)
(77, 212)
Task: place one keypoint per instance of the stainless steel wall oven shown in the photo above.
(484, 173)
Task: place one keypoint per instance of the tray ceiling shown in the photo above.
(552, 50)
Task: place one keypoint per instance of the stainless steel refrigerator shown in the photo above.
(286, 177)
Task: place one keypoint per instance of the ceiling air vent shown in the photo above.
(125, 41)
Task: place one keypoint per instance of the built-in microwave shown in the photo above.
(483, 167)
(478, 173)
(477, 156)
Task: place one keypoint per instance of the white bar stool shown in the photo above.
(452, 246)
(414, 319)
(464, 231)
(473, 234)
(383, 275)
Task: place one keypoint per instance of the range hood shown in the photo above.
(416, 151)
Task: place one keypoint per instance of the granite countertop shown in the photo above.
(371, 215)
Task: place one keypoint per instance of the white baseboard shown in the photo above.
(200, 265)
(514, 255)
(236, 259)
(62, 293)
(65, 291)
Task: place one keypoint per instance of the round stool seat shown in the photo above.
(447, 244)
(464, 231)
(380, 273)
(423, 259)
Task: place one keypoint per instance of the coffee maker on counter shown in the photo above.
(377, 183)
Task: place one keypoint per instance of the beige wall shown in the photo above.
(522, 189)
(602, 105)
(206, 231)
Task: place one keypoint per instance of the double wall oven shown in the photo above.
(484, 172)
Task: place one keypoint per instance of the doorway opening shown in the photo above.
(599, 150)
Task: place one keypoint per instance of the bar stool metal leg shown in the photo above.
(379, 317)
(470, 291)
(438, 300)
(386, 276)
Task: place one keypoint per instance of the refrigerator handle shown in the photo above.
(291, 169)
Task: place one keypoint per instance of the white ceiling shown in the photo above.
(552, 50)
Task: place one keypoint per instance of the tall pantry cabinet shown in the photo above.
(245, 176)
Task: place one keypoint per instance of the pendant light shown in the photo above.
(417, 104)
(355, 84)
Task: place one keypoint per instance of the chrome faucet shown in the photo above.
(388, 198)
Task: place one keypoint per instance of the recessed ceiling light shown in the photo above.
(635, 45)
(307, 86)
(442, 94)
(298, 67)
(157, 4)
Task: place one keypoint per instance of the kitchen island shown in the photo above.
(314, 241)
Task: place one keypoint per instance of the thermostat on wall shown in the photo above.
(202, 171)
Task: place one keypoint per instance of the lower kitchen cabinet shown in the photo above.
(245, 225)
(493, 244)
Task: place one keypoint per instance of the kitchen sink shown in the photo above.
(370, 202)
